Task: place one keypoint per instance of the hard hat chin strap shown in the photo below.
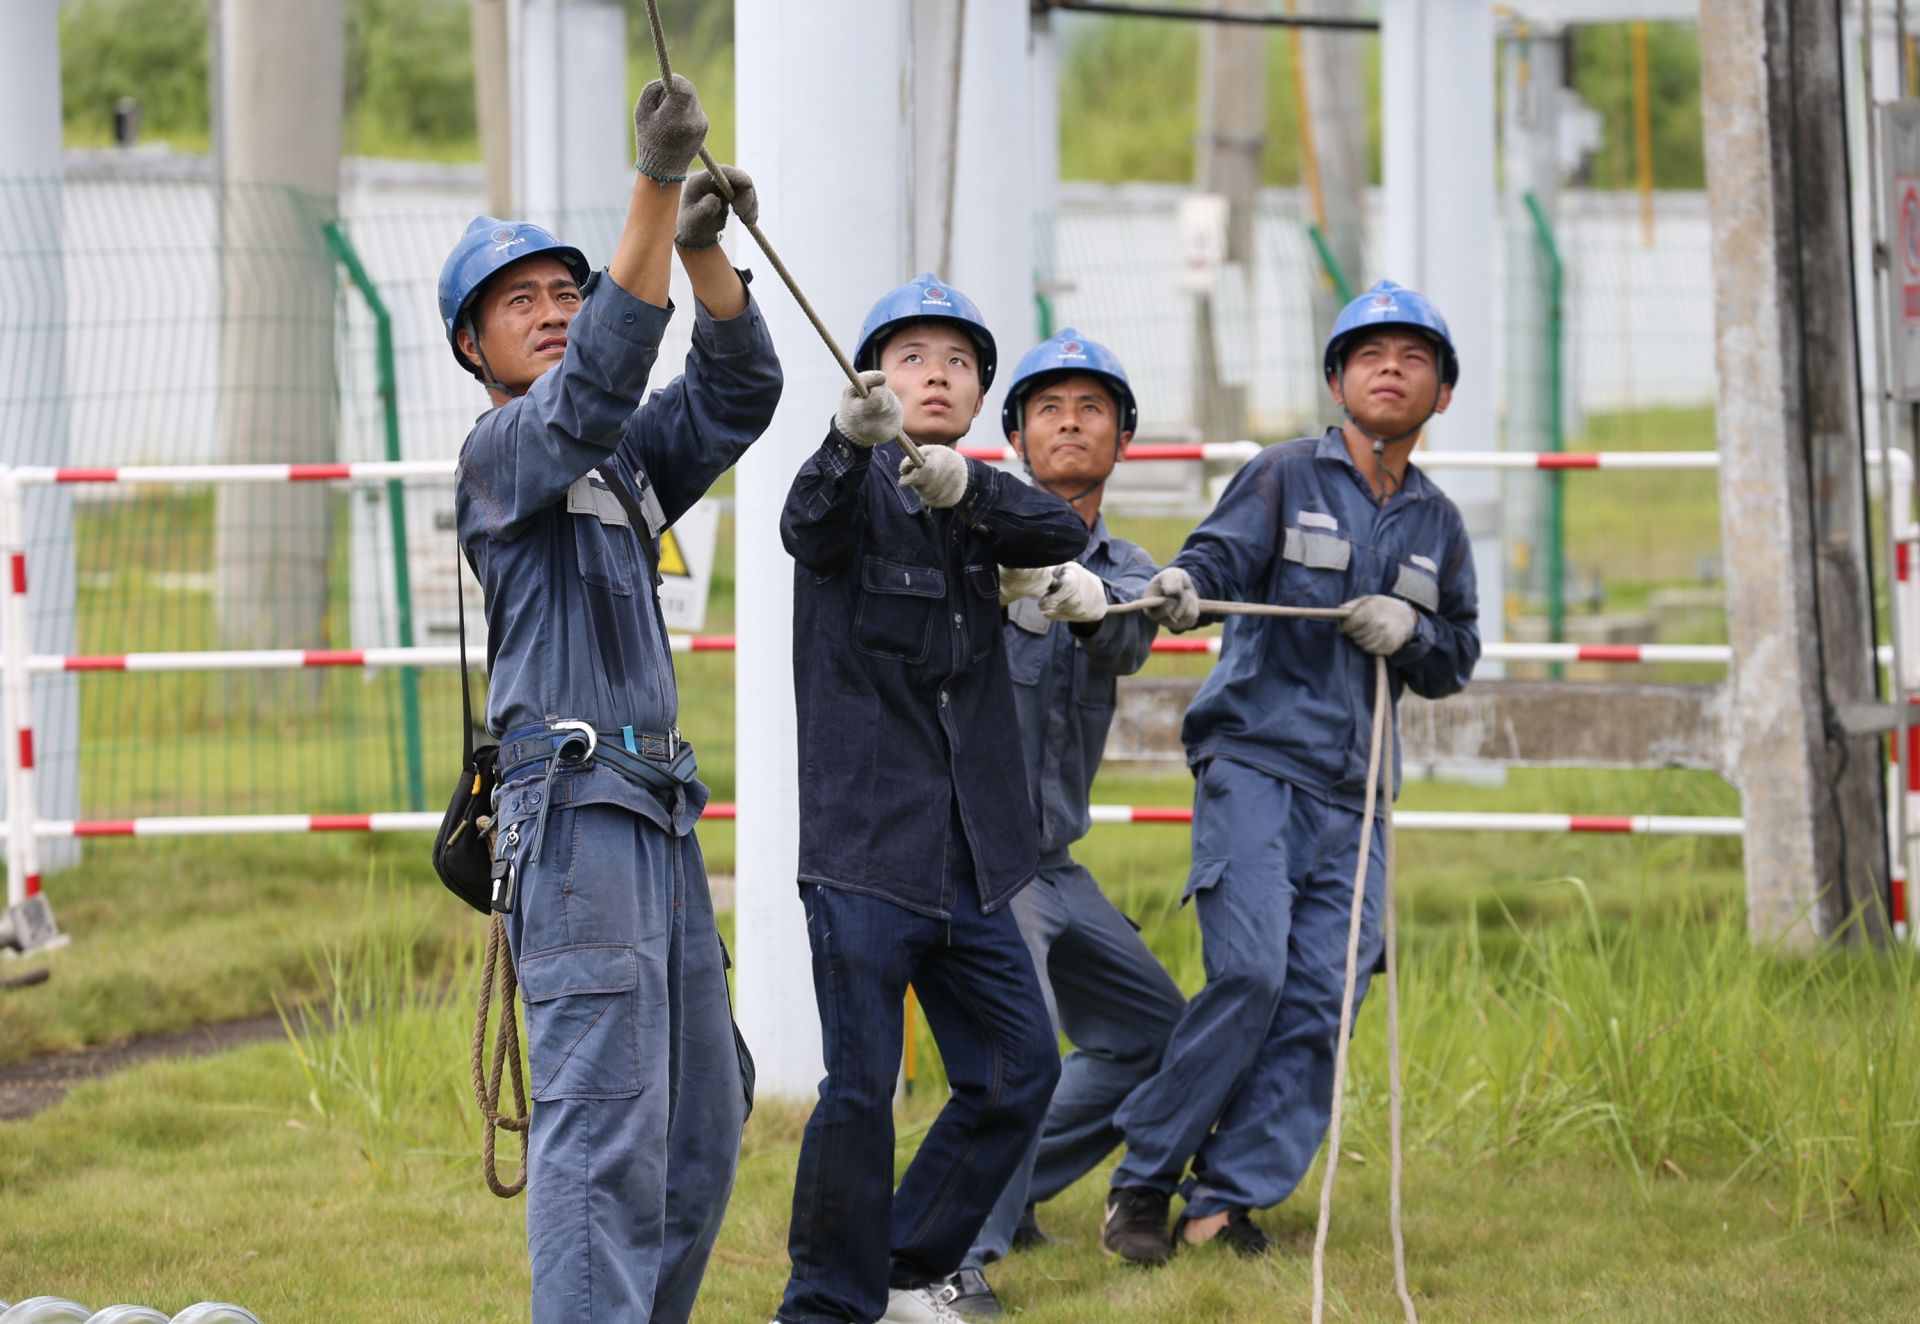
(487, 379)
(1380, 443)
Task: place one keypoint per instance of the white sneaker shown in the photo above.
(920, 1305)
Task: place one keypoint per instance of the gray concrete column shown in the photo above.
(1792, 504)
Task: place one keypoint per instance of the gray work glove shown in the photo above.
(703, 210)
(870, 419)
(1077, 595)
(1020, 582)
(940, 476)
(668, 130)
(1379, 624)
(1181, 608)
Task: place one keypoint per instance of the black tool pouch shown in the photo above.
(463, 847)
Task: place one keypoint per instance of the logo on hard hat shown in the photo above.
(934, 294)
(1073, 348)
(1383, 304)
(504, 235)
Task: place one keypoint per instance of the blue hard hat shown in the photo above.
(924, 298)
(1388, 304)
(1068, 352)
(489, 246)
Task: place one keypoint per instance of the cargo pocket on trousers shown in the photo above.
(583, 1034)
(740, 1048)
(1204, 875)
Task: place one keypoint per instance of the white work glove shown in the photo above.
(940, 476)
(1181, 609)
(870, 419)
(1018, 582)
(1078, 595)
(1379, 624)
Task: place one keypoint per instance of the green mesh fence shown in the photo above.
(166, 320)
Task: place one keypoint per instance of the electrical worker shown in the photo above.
(915, 826)
(1069, 414)
(1278, 738)
(564, 488)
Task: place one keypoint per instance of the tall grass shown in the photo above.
(383, 1052)
(1676, 1049)
(1665, 1044)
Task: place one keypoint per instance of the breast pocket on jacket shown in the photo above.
(603, 537)
(898, 604)
(1315, 568)
(983, 608)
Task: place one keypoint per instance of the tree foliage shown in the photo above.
(1602, 68)
(1127, 86)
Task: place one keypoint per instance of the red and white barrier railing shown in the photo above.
(1411, 820)
(295, 659)
(25, 830)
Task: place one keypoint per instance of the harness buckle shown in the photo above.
(563, 749)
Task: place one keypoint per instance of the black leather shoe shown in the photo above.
(969, 1294)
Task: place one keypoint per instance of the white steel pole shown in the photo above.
(816, 83)
(1441, 220)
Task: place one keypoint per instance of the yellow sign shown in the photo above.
(672, 562)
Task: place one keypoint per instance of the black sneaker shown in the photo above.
(968, 1293)
(1241, 1235)
(1135, 1227)
(1029, 1235)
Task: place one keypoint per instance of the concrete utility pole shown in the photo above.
(281, 92)
(493, 101)
(34, 419)
(1231, 148)
(1809, 753)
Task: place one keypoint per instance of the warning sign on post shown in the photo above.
(1901, 171)
(686, 566)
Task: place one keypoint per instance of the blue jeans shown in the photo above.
(636, 1082)
(1115, 1003)
(853, 1236)
(1246, 1086)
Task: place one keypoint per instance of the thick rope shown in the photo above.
(506, 1058)
(752, 228)
(1375, 771)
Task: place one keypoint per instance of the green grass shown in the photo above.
(1635, 1118)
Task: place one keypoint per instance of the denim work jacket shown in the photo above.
(573, 624)
(1300, 527)
(900, 674)
(1063, 688)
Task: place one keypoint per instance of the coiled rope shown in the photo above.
(498, 965)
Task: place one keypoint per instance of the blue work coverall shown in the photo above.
(636, 1083)
(1278, 738)
(1105, 989)
(915, 831)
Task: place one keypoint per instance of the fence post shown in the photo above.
(1556, 421)
(1330, 263)
(345, 253)
(29, 924)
